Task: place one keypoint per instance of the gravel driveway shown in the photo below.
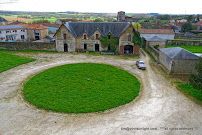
(159, 109)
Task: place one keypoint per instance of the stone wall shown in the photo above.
(154, 52)
(184, 42)
(28, 45)
(162, 44)
(183, 66)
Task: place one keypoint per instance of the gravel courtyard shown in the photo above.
(159, 109)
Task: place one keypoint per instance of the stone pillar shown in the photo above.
(136, 50)
(121, 50)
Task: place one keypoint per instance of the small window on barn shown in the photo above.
(85, 46)
(65, 36)
(129, 37)
(8, 31)
(84, 36)
(15, 31)
(96, 36)
(0, 32)
(23, 30)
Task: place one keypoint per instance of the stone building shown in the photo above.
(161, 33)
(121, 16)
(3, 21)
(177, 60)
(77, 36)
(155, 40)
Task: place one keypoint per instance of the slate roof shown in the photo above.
(178, 53)
(3, 20)
(79, 28)
(156, 31)
(7, 27)
(156, 38)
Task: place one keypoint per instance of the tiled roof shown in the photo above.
(51, 25)
(199, 23)
(3, 20)
(86, 21)
(156, 31)
(178, 53)
(156, 38)
(78, 28)
(19, 19)
(35, 26)
(8, 27)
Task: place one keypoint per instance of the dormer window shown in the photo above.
(129, 38)
(96, 36)
(84, 36)
(109, 36)
(65, 36)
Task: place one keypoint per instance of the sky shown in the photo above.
(105, 6)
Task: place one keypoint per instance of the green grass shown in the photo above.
(188, 89)
(81, 88)
(8, 61)
(193, 49)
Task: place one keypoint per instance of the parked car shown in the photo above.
(140, 64)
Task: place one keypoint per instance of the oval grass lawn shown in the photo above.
(81, 88)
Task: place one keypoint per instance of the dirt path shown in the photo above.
(158, 110)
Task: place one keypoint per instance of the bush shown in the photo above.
(156, 47)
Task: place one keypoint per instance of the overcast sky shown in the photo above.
(106, 6)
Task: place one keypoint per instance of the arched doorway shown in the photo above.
(128, 49)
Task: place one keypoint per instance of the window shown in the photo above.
(109, 36)
(0, 32)
(23, 30)
(65, 36)
(2, 38)
(84, 36)
(108, 47)
(96, 36)
(22, 37)
(129, 37)
(15, 30)
(8, 31)
(85, 46)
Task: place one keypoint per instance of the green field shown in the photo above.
(193, 49)
(8, 61)
(81, 88)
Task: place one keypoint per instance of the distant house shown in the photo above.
(166, 34)
(199, 25)
(3, 21)
(155, 40)
(181, 21)
(75, 36)
(52, 27)
(36, 31)
(12, 33)
(177, 60)
(63, 21)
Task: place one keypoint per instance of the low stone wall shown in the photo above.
(28, 46)
(184, 42)
(154, 52)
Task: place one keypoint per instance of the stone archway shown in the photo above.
(128, 49)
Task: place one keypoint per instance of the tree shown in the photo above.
(136, 25)
(198, 17)
(98, 20)
(189, 18)
(196, 79)
(186, 27)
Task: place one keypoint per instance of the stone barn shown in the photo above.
(155, 40)
(177, 60)
(85, 36)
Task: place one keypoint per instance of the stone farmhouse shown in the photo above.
(75, 36)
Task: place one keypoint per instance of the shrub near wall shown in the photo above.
(28, 45)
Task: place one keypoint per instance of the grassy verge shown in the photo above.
(29, 50)
(189, 90)
(81, 88)
(193, 49)
(151, 56)
(8, 61)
